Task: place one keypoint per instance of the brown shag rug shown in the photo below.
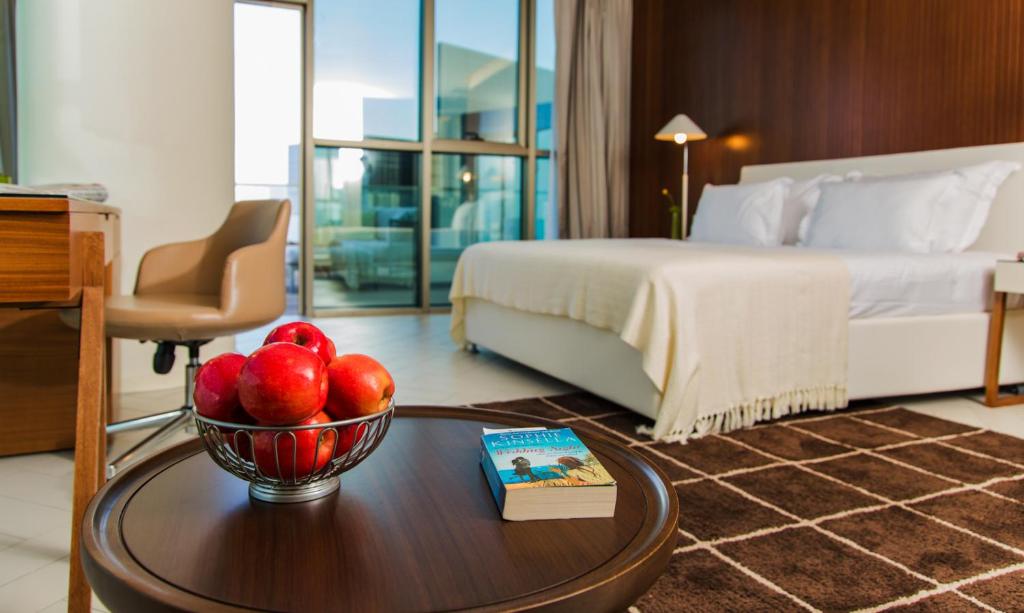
(874, 507)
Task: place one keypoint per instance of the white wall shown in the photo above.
(136, 95)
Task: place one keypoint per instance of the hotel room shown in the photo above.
(567, 305)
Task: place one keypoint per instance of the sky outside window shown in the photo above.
(367, 69)
(477, 74)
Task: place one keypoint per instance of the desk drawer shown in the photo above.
(35, 250)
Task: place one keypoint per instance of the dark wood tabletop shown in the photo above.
(413, 528)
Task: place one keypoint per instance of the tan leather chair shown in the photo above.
(190, 293)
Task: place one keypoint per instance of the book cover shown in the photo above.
(493, 481)
(535, 458)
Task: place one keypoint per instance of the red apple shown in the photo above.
(347, 438)
(359, 386)
(239, 441)
(216, 390)
(298, 456)
(282, 383)
(306, 335)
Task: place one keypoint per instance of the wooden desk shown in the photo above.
(41, 268)
(57, 253)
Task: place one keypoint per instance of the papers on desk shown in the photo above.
(94, 192)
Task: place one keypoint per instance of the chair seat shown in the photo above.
(169, 317)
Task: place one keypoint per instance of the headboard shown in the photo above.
(1004, 230)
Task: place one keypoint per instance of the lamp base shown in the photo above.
(684, 200)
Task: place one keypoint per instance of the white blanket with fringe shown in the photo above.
(729, 335)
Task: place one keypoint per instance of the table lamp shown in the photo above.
(681, 130)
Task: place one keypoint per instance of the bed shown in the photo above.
(917, 324)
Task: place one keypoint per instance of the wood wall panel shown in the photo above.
(787, 80)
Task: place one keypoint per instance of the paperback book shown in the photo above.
(536, 473)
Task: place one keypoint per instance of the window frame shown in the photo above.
(524, 148)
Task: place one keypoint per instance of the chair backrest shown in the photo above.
(251, 222)
(253, 240)
(242, 263)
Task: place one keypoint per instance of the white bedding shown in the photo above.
(729, 335)
(911, 284)
(686, 306)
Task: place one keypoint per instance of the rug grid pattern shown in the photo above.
(871, 508)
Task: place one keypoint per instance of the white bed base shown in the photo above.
(897, 356)
(887, 356)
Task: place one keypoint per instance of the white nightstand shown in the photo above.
(1009, 280)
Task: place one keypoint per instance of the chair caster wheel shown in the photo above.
(163, 359)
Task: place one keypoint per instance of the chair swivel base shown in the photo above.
(171, 422)
(166, 423)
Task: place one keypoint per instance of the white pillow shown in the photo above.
(891, 215)
(962, 212)
(799, 203)
(746, 214)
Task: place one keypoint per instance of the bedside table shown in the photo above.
(1009, 279)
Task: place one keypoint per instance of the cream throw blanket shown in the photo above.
(729, 335)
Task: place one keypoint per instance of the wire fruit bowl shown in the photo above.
(276, 465)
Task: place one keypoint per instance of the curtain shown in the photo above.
(8, 124)
(592, 56)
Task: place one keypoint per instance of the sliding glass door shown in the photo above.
(367, 170)
(431, 131)
(367, 227)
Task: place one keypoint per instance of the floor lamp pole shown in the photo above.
(684, 218)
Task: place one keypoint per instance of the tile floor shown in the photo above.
(35, 490)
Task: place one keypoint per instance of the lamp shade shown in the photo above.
(680, 129)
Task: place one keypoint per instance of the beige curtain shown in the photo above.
(592, 39)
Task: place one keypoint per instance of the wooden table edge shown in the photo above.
(641, 567)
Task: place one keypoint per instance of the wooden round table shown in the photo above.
(413, 528)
